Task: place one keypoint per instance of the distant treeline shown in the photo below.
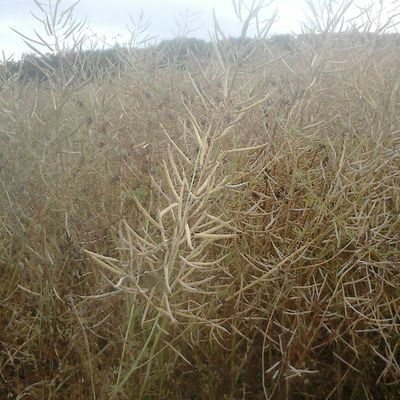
(89, 63)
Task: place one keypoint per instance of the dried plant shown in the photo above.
(222, 228)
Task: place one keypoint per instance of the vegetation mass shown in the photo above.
(202, 220)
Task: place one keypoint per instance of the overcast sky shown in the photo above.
(109, 18)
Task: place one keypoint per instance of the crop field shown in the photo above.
(203, 220)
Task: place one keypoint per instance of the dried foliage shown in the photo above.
(223, 229)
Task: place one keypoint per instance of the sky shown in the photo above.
(110, 19)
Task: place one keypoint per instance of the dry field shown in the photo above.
(223, 228)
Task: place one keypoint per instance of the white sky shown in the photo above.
(109, 18)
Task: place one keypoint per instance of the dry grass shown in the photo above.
(228, 230)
